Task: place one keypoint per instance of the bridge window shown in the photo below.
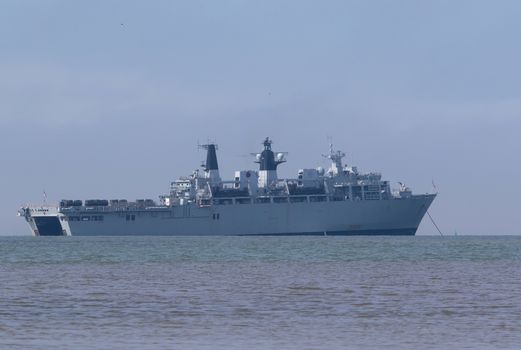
(357, 192)
(262, 200)
(372, 195)
(297, 199)
(243, 201)
(280, 199)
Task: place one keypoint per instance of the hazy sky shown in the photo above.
(108, 99)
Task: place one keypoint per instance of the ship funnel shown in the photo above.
(211, 168)
(211, 157)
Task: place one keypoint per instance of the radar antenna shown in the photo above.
(335, 157)
(278, 158)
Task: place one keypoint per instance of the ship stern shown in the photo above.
(44, 221)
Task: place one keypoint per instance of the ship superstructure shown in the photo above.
(336, 201)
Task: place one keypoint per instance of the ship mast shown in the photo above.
(268, 164)
(336, 160)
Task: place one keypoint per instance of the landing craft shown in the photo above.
(337, 201)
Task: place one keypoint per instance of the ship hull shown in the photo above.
(380, 217)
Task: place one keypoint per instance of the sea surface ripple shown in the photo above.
(260, 292)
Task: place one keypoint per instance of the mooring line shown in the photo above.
(437, 228)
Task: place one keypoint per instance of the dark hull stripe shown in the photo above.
(391, 232)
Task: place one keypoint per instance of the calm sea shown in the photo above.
(260, 293)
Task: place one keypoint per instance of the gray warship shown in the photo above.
(335, 201)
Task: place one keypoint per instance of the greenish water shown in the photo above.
(260, 292)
